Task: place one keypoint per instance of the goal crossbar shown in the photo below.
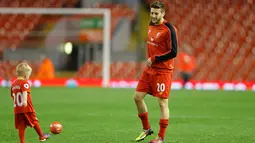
(66, 11)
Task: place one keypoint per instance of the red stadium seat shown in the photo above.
(221, 33)
(11, 25)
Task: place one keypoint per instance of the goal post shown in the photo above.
(72, 11)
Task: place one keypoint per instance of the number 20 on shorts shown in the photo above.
(161, 87)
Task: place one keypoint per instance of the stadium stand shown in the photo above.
(221, 33)
(15, 28)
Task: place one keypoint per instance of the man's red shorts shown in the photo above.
(158, 85)
(22, 120)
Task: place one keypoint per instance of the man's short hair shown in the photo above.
(158, 4)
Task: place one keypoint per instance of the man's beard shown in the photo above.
(157, 21)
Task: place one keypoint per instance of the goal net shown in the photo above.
(26, 33)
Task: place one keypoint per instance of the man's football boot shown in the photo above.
(157, 140)
(144, 134)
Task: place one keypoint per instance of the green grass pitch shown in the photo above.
(97, 115)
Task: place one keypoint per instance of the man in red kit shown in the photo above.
(156, 78)
(23, 107)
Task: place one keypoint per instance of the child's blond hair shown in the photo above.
(23, 69)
